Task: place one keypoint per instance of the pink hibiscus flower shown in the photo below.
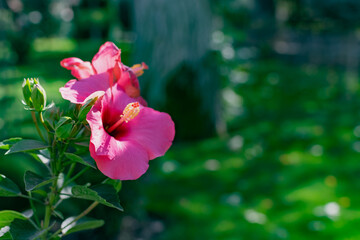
(126, 135)
(96, 77)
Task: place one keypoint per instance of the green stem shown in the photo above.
(71, 170)
(81, 215)
(34, 209)
(49, 207)
(34, 224)
(43, 122)
(47, 129)
(37, 126)
(59, 202)
(53, 157)
(33, 199)
(61, 155)
(75, 177)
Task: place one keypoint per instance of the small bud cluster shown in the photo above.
(34, 95)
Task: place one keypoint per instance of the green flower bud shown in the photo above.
(38, 97)
(26, 88)
(64, 131)
(63, 127)
(84, 110)
(62, 121)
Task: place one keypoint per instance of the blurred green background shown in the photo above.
(264, 94)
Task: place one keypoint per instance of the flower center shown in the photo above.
(130, 112)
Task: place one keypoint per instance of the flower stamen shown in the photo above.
(138, 69)
(130, 112)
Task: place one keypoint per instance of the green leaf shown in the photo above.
(64, 130)
(63, 127)
(6, 144)
(40, 192)
(62, 121)
(24, 230)
(6, 217)
(81, 225)
(38, 97)
(26, 145)
(102, 193)
(117, 184)
(40, 158)
(85, 161)
(83, 144)
(84, 110)
(8, 188)
(45, 152)
(5, 233)
(33, 180)
(58, 214)
(27, 89)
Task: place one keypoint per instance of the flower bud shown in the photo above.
(26, 88)
(86, 108)
(38, 97)
(63, 127)
(63, 120)
(64, 131)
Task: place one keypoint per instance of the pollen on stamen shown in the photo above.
(131, 111)
(138, 69)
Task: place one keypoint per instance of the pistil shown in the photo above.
(130, 112)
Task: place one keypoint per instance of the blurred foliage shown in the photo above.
(277, 79)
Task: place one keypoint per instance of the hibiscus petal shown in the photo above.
(78, 91)
(78, 67)
(124, 160)
(106, 58)
(152, 129)
(129, 163)
(129, 82)
(141, 101)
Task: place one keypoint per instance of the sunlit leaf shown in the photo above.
(6, 217)
(85, 108)
(62, 121)
(6, 144)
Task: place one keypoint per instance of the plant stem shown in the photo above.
(42, 121)
(37, 125)
(34, 199)
(84, 213)
(71, 170)
(75, 177)
(34, 209)
(49, 207)
(52, 150)
(47, 129)
(61, 155)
